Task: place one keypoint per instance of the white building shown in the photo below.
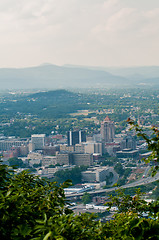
(93, 147)
(89, 147)
(96, 174)
(38, 141)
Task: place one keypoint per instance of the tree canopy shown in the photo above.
(152, 144)
(33, 208)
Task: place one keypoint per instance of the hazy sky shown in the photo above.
(84, 32)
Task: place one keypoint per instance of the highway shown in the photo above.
(147, 171)
(142, 181)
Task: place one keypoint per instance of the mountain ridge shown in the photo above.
(50, 76)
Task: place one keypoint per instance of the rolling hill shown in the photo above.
(50, 76)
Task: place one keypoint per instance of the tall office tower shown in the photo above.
(38, 141)
(75, 137)
(128, 142)
(107, 130)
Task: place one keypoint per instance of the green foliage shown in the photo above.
(130, 221)
(34, 208)
(74, 175)
(126, 203)
(152, 143)
(130, 165)
(130, 226)
(44, 111)
(155, 193)
(36, 165)
(121, 181)
(86, 198)
(25, 198)
(69, 227)
(119, 169)
(16, 162)
(107, 163)
(127, 172)
(109, 179)
(136, 204)
(153, 187)
(123, 173)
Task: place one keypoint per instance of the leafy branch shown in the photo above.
(152, 144)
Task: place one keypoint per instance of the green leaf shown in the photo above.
(47, 235)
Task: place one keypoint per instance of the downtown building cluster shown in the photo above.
(74, 149)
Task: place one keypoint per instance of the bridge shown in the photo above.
(142, 181)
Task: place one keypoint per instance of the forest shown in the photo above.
(61, 110)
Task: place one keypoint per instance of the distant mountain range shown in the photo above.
(50, 76)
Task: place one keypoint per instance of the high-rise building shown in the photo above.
(107, 130)
(75, 137)
(38, 141)
(128, 142)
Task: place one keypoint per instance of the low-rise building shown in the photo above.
(96, 174)
(66, 148)
(80, 159)
(128, 153)
(50, 150)
(63, 158)
(89, 147)
(35, 155)
(6, 145)
(77, 159)
(49, 160)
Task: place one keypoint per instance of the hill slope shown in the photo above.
(56, 77)
(61, 77)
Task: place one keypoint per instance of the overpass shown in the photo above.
(142, 181)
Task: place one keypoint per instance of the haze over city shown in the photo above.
(85, 32)
(79, 122)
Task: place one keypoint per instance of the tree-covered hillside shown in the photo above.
(44, 111)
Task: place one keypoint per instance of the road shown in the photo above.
(142, 181)
(146, 171)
